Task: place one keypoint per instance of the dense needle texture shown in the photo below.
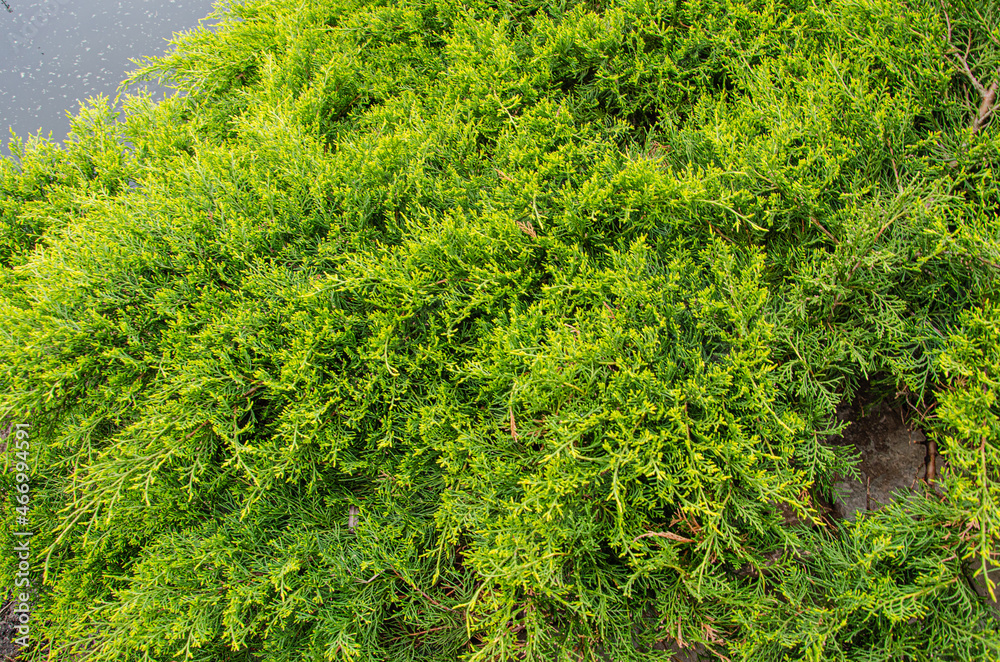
(425, 330)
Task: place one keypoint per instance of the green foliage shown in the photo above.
(890, 587)
(429, 331)
(969, 427)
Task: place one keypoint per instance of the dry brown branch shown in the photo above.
(931, 461)
(986, 108)
(369, 581)
(825, 231)
(988, 263)
(968, 71)
(719, 232)
(663, 534)
(192, 433)
(420, 591)
(947, 20)
(527, 228)
(987, 95)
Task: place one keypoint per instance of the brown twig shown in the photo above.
(191, 434)
(419, 590)
(718, 232)
(527, 229)
(931, 461)
(985, 112)
(968, 71)
(368, 581)
(987, 95)
(663, 534)
(947, 20)
(988, 263)
(251, 391)
(825, 231)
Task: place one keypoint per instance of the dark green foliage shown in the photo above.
(426, 331)
(889, 588)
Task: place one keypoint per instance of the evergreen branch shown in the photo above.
(419, 590)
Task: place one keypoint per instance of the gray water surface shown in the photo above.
(56, 53)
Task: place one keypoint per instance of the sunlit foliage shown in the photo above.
(491, 331)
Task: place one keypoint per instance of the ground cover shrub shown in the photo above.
(492, 331)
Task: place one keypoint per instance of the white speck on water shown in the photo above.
(81, 51)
